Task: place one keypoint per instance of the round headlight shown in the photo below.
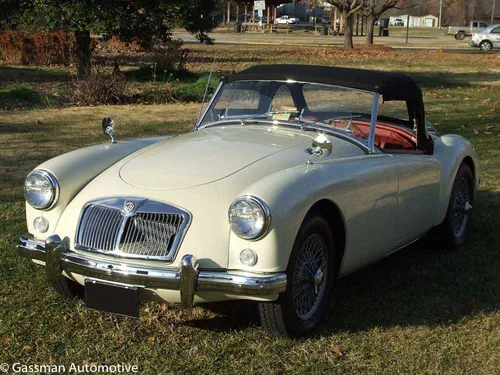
(41, 189)
(249, 217)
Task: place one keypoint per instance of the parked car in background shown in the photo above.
(398, 22)
(294, 176)
(286, 20)
(460, 32)
(486, 39)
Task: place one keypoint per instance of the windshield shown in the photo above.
(294, 102)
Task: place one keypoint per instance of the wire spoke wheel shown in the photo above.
(461, 207)
(309, 277)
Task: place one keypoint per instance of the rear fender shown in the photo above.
(451, 150)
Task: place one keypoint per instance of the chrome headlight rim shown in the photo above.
(265, 209)
(55, 187)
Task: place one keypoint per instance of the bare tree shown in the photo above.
(372, 10)
(347, 8)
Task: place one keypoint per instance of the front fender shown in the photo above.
(289, 195)
(450, 150)
(76, 169)
(364, 188)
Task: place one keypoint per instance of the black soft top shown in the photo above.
(392, 86)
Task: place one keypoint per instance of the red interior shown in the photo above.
(388, 136)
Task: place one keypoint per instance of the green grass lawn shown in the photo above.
(420, 311)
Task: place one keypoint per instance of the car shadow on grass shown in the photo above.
(423, 284)
(228, 315)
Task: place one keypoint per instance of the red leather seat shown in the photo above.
(388, 136)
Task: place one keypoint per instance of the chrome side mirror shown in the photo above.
(108, 127)
(321, 147)
(324, 143)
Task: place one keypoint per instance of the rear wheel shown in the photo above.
(460, 35)
(486, 46)
(454, 230)
(310, 275)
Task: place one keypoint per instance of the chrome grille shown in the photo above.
(150, 234)
(150, 230)
(100, 227)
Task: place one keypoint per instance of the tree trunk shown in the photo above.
(370, 27)
(82, 52)
(348, 43)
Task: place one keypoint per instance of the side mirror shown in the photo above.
(321, 147)
(323, 143)
(108, 127)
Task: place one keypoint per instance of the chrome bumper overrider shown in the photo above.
(186, 278)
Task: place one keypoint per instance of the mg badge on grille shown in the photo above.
(129, 207)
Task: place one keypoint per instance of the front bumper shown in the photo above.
(473, 43)
(187, 279)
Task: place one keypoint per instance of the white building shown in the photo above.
(424, 21)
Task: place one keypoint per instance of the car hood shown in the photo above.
(205, 156)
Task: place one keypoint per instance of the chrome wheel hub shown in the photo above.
(308, 284)
(461, 207)
(318, 279)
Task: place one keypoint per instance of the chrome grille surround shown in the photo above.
(132, 228)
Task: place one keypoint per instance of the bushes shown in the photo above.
(100, 87)
(53, 48)
(193, 92)
(158, 93)
(165, 59)
(15, 48)
(170, 56)
(114, 45)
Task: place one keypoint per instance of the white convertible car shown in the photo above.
(293, 177)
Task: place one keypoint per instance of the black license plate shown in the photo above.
(116, 299)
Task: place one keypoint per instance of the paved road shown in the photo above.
(301, 39)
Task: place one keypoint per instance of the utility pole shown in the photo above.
(407, 27)
(493, 12)
(441, 12)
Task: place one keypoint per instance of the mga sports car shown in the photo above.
(292, 177)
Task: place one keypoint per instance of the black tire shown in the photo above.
(460, 35)
(68, 288)
(454, 230)
(486, 46)
(285, 317)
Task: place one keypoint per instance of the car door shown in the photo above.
(418, 193)
(367, 198)
(495, 37)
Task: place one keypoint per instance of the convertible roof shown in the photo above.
(392, 86)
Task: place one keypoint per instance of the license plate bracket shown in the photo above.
(112, 298)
